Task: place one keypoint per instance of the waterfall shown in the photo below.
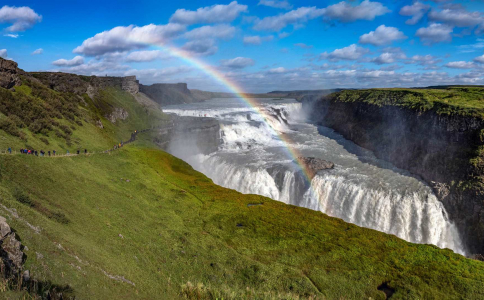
(361, 189)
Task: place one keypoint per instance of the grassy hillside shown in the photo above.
(461, 100)
(140, 223)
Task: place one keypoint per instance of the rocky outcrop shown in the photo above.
(78, 84)
(10, 251)
(117, 114)
(9, 74)
(168, 93)
(185, 136)
(438, 148)
(313, 165)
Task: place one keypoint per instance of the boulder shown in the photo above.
(313, 165)
(4, 228)
(12, 254)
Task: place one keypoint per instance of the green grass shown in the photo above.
(458, 100)
(180, 237)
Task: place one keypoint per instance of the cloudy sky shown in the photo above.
(261, 45)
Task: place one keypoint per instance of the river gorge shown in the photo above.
(252, 156)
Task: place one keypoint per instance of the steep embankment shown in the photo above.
(436, 134)
(140, 223)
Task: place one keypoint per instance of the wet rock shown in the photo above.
(313, 165)
(99, 124)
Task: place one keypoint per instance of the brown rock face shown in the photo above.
(9, 74)
(313, 165)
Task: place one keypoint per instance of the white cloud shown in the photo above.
(382, 36)
(209, 14)
(12, 35)
(283, 35)
(435, 33)
(303, 46)
(471, 47)
(294, 17)
(237, 63)
(201, 47)
(218, 31)
(424, 60)
(3, 53)
(128, 38)
(417, 10)
(345, 12)
(457, 17)
(95, 67)
(257, 40)
(38, 51)
(149, 76)
(352, 52)
(278, 70)
(460, 65)
(21, 18)
(389, 57)
(276, 4)
(145, 56)
(76, 61)
(479, 59)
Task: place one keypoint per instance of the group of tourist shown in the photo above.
(41, 152)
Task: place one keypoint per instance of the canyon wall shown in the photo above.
(442, 149)
(78, 84)
(168, 93)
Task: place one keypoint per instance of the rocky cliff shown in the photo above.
(168, 93)
(78, 84)
(443, 149)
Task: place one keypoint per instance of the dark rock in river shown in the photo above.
(313, 164)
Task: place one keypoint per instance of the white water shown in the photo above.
(361, 189)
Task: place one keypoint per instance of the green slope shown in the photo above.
(140, 223)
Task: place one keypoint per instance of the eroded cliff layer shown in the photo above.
(441, 148)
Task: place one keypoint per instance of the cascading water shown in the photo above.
(361, 189)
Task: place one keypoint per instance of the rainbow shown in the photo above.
(233, 87)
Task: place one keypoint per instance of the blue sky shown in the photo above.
(261, 45)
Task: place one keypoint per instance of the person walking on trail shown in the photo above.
(78, 152)
(42, 152)
(85, 151)
(29, 152)
(54, 152)
(36, 153)
(9, 150)
(48, 152)
(68, 152)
